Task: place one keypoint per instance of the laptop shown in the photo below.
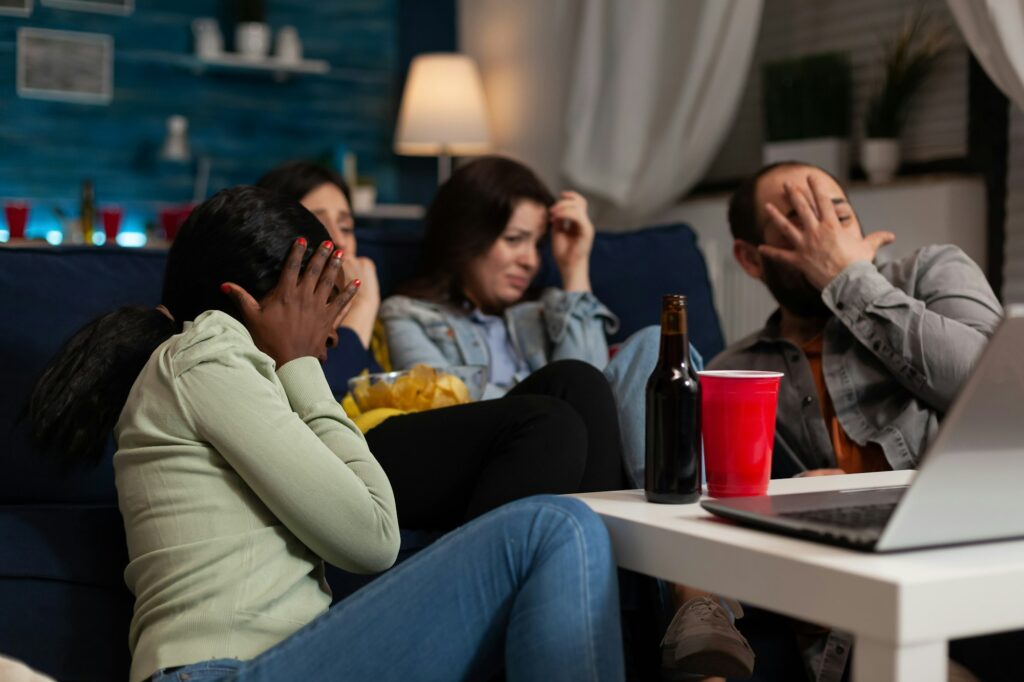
(969, 487)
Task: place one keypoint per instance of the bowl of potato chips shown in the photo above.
(419, 388)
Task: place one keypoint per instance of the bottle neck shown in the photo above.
(675, 343)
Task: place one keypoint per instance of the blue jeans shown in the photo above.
(531, 583)
(627, 373)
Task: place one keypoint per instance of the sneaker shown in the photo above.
(701, 640)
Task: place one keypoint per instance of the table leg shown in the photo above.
(878, 661)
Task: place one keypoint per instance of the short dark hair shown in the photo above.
(742, 207)
(295, 179)
(468, 214)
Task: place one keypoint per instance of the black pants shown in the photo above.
(556, 432)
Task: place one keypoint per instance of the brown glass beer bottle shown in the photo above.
(673, 444)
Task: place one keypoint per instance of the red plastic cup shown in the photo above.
(16, 213)
(738, 426)
(172, 218)
(111, 217)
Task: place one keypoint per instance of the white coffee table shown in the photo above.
(903, 608)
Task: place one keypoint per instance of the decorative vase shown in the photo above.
(252, 40)
(288, 47)
(880, 158)
(364, 198)
(831, 154)
(209, 44)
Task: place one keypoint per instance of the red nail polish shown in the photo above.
(301, 242)
(356, 282)
(225, 288)
(338, 254)
(327, 245)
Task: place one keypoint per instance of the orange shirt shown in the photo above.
(850, 457)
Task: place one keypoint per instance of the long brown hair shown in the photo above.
(468, 214)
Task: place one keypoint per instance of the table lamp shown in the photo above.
(443, 111)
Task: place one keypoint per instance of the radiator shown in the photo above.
(743, 303)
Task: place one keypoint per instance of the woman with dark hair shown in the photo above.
(238, 475)
(555, 434)
(473, 302)
(325, 194)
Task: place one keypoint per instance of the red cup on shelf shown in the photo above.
(172, 218)
(16, 213)
(738, 425)
(111, 217)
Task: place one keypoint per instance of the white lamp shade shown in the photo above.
(443, 108)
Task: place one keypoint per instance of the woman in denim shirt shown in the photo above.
(473, 303)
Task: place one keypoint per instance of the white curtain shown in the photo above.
(627, 101)
(525, 50)
(994, 30)
(655, 88)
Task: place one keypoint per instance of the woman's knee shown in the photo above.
(563, 519)
(579, 375)
(547, 413)
(551, 422)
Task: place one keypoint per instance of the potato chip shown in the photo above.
(421, 388)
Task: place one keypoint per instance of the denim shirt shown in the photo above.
(904, 337)
(506, 364)
(561, 325)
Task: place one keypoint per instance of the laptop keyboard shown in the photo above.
(873, 516)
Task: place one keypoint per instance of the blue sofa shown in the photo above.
(62, 595)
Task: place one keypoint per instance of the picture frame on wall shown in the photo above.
(16, 8)
(65, 65)
(123, 7)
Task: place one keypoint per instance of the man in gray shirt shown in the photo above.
(873, 353)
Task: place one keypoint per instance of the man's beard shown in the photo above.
(793, 292)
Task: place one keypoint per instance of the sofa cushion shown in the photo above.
(396, 254)
(74, 633)
(50, 293)
(75, 543)
(62, 590)
(630, 272)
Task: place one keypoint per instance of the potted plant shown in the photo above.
(907, 60)
(807, 111)
(252, 34)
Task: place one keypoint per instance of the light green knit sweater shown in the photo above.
(235, 482)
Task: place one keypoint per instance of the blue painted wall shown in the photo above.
(245, 123)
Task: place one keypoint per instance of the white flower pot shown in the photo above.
(831, 154)
(364, 198)
(880, 158)
(252, 40)
(209, 44)
(288, 47)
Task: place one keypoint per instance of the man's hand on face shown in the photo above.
(821, 246)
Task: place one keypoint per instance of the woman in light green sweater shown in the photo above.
(238, 475)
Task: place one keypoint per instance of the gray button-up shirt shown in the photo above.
(902, 341)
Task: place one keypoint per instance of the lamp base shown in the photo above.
(444, 167)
